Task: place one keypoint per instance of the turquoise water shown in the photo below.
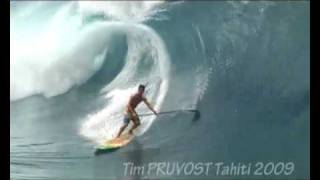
(244, 65)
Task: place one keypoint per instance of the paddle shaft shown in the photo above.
(167, 112)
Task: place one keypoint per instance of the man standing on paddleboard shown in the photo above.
(130, 113)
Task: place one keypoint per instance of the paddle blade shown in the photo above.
(196, 115)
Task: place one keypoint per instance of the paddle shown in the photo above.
(196, 115)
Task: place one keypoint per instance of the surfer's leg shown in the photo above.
(126, 122)
(122, 129)
(136, 123)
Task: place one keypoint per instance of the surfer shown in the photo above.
(130, 113)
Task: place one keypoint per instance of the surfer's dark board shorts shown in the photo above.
(126, 119)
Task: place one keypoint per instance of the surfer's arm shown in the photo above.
(149, 105)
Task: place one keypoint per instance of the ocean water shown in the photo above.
(245, 65)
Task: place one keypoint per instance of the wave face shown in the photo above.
(147, 62)
(69, 51)
(73, 65)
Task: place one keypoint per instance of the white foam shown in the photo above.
(61, 55)
(125, 11)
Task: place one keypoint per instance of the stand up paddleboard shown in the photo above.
(114, 144)
(125, 139)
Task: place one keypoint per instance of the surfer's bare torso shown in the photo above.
(134, 101)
